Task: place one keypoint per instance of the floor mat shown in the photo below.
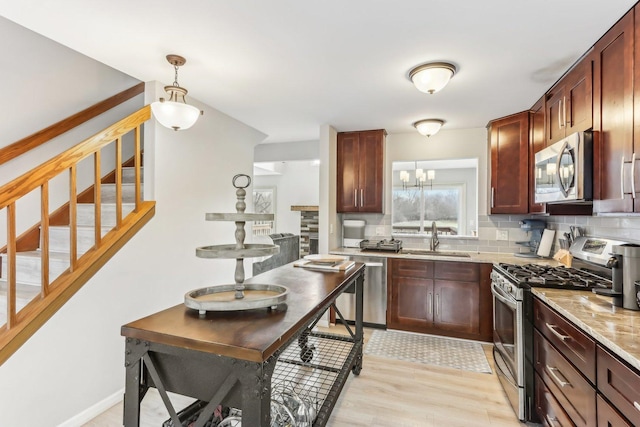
(428, 349)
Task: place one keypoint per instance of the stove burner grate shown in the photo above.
(554, 277)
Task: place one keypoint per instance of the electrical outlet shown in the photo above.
(502, 234)
(330, 228)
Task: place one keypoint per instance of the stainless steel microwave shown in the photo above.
(564, 170)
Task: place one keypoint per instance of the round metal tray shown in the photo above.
(222, 297)
(230, 251)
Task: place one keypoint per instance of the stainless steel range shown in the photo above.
(513, 311)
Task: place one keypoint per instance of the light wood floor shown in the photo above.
(386, 393)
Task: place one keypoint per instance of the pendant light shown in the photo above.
(175, 113)
(428, 127)
(432, 77)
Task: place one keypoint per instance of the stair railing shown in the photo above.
(21, 324)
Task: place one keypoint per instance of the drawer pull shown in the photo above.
(552, 372)
(551, 421)
(552, 328)
(637, 405)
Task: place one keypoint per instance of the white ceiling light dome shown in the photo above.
(432, 77)
(428, 127)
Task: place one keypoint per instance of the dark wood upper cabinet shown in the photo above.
(569, 104)
(360, 171)
(537, 141)
(613, 69)
(509, 138)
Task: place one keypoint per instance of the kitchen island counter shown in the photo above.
(231, 357)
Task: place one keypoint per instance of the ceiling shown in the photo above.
(287, 67)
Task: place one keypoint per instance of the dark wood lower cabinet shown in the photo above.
(412, 303)
(457, 307)
(441, 298)
(620, 384)
(565, 361)
(549, 410)
(609, 417)
(572, 391)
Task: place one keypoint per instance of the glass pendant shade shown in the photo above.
(428, 127)
(431, 78)
(175, 115)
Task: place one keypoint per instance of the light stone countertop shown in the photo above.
(481, 257)
(616, 328)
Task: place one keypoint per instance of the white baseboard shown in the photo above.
(95, 410)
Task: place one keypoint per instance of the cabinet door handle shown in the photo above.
(560, 121)
(552, 328)
(551, 421)
(552, 372)
(564, 111)
(437, 306)
(361, 197)
(636, 405)
(492, 196)
(355, 198)
(633, 175)
(622, 178)
(429, 303)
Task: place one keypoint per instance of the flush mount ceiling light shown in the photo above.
(432, 77)
(175, 113)
(428, 127)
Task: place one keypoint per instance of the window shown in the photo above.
(444, 192)
(414, 209)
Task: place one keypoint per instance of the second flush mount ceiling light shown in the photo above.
(431, 78)
(428, 127)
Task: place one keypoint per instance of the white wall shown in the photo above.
(41, 86)
(298, 184)
(76, 360)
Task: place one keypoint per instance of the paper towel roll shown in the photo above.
(544, 249)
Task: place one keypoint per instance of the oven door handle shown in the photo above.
(498, 295)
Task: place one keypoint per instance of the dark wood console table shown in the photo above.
(232, 358)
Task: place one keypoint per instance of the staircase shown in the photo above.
(28, 263)
(42, 268)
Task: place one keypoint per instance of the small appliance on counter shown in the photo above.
(392, 245)
(625, 272)
(352, 232)
(534, 227)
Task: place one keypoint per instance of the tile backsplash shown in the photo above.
(626, 228)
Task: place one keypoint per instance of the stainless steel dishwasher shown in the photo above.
(374, 313)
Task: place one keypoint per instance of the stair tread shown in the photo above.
(80, 227)
(53, 255)
(108, 204)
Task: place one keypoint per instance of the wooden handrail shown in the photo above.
(33, 179)
(30, 142)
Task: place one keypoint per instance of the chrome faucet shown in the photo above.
(434, 237)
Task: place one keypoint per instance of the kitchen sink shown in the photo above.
(426, 252)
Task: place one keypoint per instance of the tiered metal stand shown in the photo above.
(238, 296)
